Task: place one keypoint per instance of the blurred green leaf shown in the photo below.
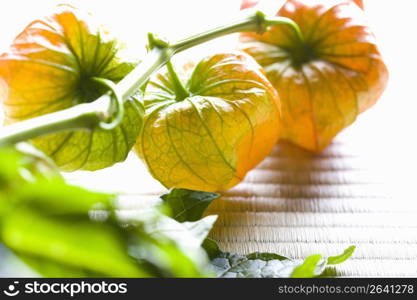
(187, 236)
(66, 231)
(315, 265)
(312, 266)
(75, 244)
(55, 197)
(335, 260)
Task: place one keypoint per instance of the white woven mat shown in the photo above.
(297, 204)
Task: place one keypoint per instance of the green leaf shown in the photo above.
(187, 237)
(80, 246)
(66, 231)
(37, 162)
(312, 266)
(252, 266)
(23, 163)
(188, 205)
(265, 256)
(166, 258)
(315, 265)
(211, 247)
(55, 197)
(261, 265)
(9, 170)
(335, 260)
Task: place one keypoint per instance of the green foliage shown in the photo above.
(188, 205)
(312, 266)
(338, 259)
(66, 231)
(268, 265)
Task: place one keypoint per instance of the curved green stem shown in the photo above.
(275, 21)
(258, 22)
(181, 91)
(79, 117)
(119, 108)
(88, 116)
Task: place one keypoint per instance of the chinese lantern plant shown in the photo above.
(55, 64)
(205, 135)
(326, 79)
(64, 77)
(63, 73)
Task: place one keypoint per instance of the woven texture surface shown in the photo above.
(297, 204)
(358, 191)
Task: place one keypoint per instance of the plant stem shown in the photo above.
(82, 116)
(257, 22)
(89, 115)
(181, 91)
(275, 21)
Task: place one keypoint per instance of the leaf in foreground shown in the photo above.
(188, 259)
(61, 230)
